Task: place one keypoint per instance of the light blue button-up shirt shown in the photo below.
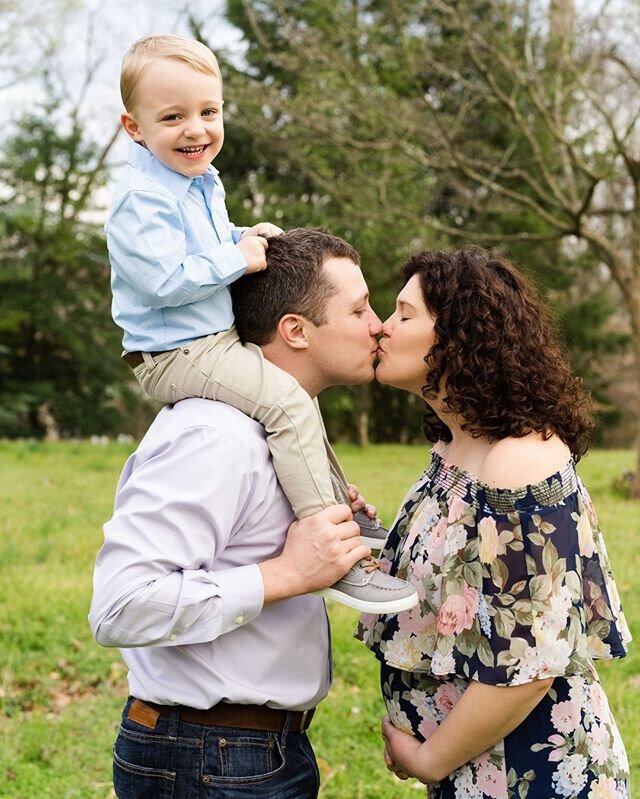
(173, 255)
(177, 584)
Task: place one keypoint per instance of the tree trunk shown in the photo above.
(48, 423)
(634, 308)
(364, 407)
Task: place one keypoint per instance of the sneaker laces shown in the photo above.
(369, 564)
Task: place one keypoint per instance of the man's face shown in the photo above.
(178, 116)
(344, 349)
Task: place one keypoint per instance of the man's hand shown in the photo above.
(318, 551)
(265, 229)
(254, 249)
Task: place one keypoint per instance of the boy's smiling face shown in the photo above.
(177, 114)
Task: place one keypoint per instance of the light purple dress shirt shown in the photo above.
(176, 583)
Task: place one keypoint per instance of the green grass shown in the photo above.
(61, 694)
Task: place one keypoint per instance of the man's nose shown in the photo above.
(375, 325)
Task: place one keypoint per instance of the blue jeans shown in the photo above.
(182, 760)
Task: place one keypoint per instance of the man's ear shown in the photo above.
(131, 127)
(292, 329)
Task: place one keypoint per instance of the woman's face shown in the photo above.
(408, 335)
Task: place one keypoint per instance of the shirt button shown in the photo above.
(172, 637)
(239, 619)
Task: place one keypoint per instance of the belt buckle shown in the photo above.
(303, 720)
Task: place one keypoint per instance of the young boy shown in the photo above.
(174, 253)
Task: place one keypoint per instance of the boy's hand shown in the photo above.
(265, 229)
(254, 249)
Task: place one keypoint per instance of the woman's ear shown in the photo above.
(293, 331)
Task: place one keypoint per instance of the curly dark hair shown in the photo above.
(496, 353)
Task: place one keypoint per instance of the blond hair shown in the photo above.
(150, 48)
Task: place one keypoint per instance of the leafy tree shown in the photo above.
(58, 346)
(370, 118)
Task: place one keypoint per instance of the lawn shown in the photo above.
(60, 694)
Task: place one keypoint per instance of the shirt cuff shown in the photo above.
(227, 263)
(236, 233)
(242, 590)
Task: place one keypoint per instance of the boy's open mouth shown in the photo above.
(192, 152)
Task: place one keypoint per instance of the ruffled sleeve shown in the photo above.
(514, 587)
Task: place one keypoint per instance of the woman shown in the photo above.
(492, 674)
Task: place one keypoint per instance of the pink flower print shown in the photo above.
(600, 744)
(492, 780)
(565, 717)
(457, 509)
(559, 750)
(420, 567)
(427, 727)
(436, 541)
(458, 612)
(599, 701)
(414, 532)
(385, 565)
(480, 760)
(413, 621)
(446, 697)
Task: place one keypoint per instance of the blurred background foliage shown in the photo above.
(400, 125)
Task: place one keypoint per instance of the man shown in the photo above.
(199, 582)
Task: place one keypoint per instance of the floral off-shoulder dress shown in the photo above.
(515, 586)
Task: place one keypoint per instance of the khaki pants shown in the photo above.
(220, 367)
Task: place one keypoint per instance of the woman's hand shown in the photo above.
(402, 753)
(483, 716)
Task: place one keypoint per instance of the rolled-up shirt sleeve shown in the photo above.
(148, 252)
(160, 577)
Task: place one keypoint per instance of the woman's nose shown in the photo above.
(387, 326)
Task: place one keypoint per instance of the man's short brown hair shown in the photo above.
(293, 282)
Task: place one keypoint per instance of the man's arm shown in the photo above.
(155, 581)
(318, 551)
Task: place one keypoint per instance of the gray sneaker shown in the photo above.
(366, 588)
(372, 533)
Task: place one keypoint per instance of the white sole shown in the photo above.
(392, 606)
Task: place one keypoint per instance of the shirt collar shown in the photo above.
(142, 159)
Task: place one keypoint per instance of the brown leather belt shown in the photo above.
(248, 717)
(134, 359)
